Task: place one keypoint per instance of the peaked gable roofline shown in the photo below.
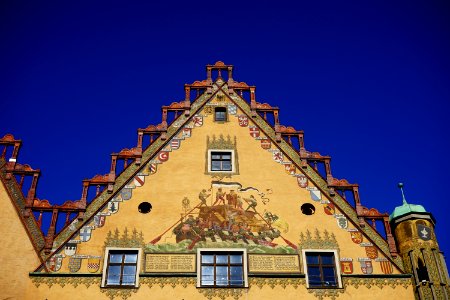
(181, 111)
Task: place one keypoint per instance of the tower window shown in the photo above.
(220, 114)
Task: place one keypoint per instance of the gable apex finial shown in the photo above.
(400, 186)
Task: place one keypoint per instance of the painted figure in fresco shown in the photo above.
(252, 203)
(232, 199)
(239, 203)
(203, 196)
(220, 196)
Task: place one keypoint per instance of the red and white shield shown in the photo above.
(198, 121)
(290, 169)
(254, 131)
(54, 263)
(278, 156)
(265, 144)
(175, 144)
(152, 168)
(329, 209)
(163, 156)
(243, 121)
(302, 181)
(139, 180)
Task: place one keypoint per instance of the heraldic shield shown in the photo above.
(424, 232)
(54, 263)
(366, 267)
(357, 237)
(302, 181)
(347, 267)
(386, 267)
(371, 252)
(93, 264)
(74, 264)
(243, 121)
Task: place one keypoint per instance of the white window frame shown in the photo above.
(105, 266)
(217, 250)
(336, 263)
(233, 165)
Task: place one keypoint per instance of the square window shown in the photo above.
(220, 114)
(221, 161)
(222, 268)
(321, 269)
(121, 267)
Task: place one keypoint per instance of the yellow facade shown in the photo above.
(256, 207)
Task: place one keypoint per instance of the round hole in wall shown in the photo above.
(144, 207)
(308, 209)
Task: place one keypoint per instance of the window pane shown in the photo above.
(222, 276)
(222, 259)
(216, 166)
(312, 259)
(113, 275)
(235, 259)
(313, 271)
(128, 279)
(330, 281)
(327, 259)
(209, 270)
(129, 270)
(115, 258)
(130, 258)
(215, 156)
(328, 271)
(208, 275)
(226, 166)
(236, 276)
(226, 156)
(207, 258)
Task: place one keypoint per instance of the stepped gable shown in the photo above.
(174, 117)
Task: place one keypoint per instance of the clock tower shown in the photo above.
(414, 232)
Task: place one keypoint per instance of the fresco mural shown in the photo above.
(226, 214)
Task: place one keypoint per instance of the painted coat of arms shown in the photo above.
(126, 194)
(357, 237)
(342, 221)
(152, 168)
(366, 267)
(198, 121)
(254, 131)
(74, 264)
(85, 234)
(347, 266)
(113, 207)
(139, 180)
(70, 249)
(54, 263)
(277, 156)
(99, 221)
(302, 181)
(232, 109)
(93, 264)
(186, 132)
(163, 156)
(290, 168)
(243, 121)
(175, 144)
(329, 209)
(386, 267)
(424, 232)
(315, 194)
(265, 144)
(371, 252)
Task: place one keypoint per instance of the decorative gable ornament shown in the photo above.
(198, 121)
(302, 181)
(266, 144)
(70, 248)
(54, 263)
(232, 109)
(113, 207)
(74, 264)
(254, 131)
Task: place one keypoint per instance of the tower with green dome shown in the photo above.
(414, 227)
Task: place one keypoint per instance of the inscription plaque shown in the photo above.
(273, 263)
(171, 263)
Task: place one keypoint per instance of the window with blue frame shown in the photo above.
(222, 269)
(321, 270)
(122, 268)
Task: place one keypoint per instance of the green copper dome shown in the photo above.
(406, 208)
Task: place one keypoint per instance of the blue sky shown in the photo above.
(368, 82)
